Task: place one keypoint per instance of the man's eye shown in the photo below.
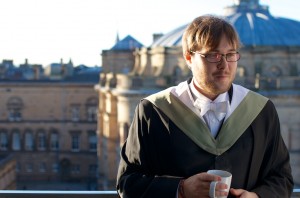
(213, 55)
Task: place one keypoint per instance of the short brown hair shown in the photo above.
(205, 32)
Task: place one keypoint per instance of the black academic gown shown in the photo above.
(158, 153)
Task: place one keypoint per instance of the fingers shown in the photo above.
(221, 186)
(199, 184)
(221, 189)
(243, 193)
(209, 177)
(237, 192)
(221, 193)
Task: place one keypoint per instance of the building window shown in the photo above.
(29, 140)
(92, 113)
(75, 113)
(16, 140)
(42, 167)
(3, 140)
(75, 168)
(75, 141)
(29, 168)
(55, 168)
(92, 141)
(274, 72)
(14, 108)
(41, 143)
(54, 141)
(91, 109)
(92, 169)
(14, 115)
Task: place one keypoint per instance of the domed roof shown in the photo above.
(254, 24)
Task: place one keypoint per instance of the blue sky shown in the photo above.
(45, 31)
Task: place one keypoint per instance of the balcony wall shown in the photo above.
(74, 194)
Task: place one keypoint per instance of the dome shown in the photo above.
(254, 24)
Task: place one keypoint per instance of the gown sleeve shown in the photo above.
(274, 177)
(138, 176)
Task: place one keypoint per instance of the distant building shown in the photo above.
(53, 71)
(59, 70)
(270, 64)
(26, 71)
(120, 58)
(49, 126)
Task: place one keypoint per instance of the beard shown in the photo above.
(213, 88)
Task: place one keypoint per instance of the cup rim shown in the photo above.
(218, 172)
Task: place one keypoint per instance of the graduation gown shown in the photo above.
(168, 141)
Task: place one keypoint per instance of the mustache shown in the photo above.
(221, 73)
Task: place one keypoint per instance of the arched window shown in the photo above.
(54, 140)
(3, 140)
(75, 138)
(16, 140)
(92, 141)
(29, 142)
(91, 109)
(41, 140)
(75, 112)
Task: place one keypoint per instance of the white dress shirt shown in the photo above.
(209, 117)
(187, 93)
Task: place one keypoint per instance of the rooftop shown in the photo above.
(128, 43)
(254, 24)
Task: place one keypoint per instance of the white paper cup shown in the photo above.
(225, 178)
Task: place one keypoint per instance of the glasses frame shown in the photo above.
(222, 55)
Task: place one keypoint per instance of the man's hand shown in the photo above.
(197, 186)
(241, 193)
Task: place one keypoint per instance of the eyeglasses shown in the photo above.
(217, 57)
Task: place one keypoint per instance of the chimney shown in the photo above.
(156, 36)
(36, 73)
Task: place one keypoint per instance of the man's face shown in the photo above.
(213, 78)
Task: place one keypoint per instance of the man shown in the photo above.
(205, 123)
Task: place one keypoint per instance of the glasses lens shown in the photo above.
(232, 57)
(213, 58)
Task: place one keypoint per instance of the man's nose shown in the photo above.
(223, 62)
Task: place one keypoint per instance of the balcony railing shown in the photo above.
(73, 194)
(56, 194)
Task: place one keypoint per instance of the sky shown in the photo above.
(48, 31)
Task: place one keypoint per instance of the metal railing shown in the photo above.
(73, 194)
(56, 194)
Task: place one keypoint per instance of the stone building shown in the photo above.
(50, 128)
(270, 64)
(8, 172)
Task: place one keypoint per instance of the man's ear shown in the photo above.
(187, 57)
